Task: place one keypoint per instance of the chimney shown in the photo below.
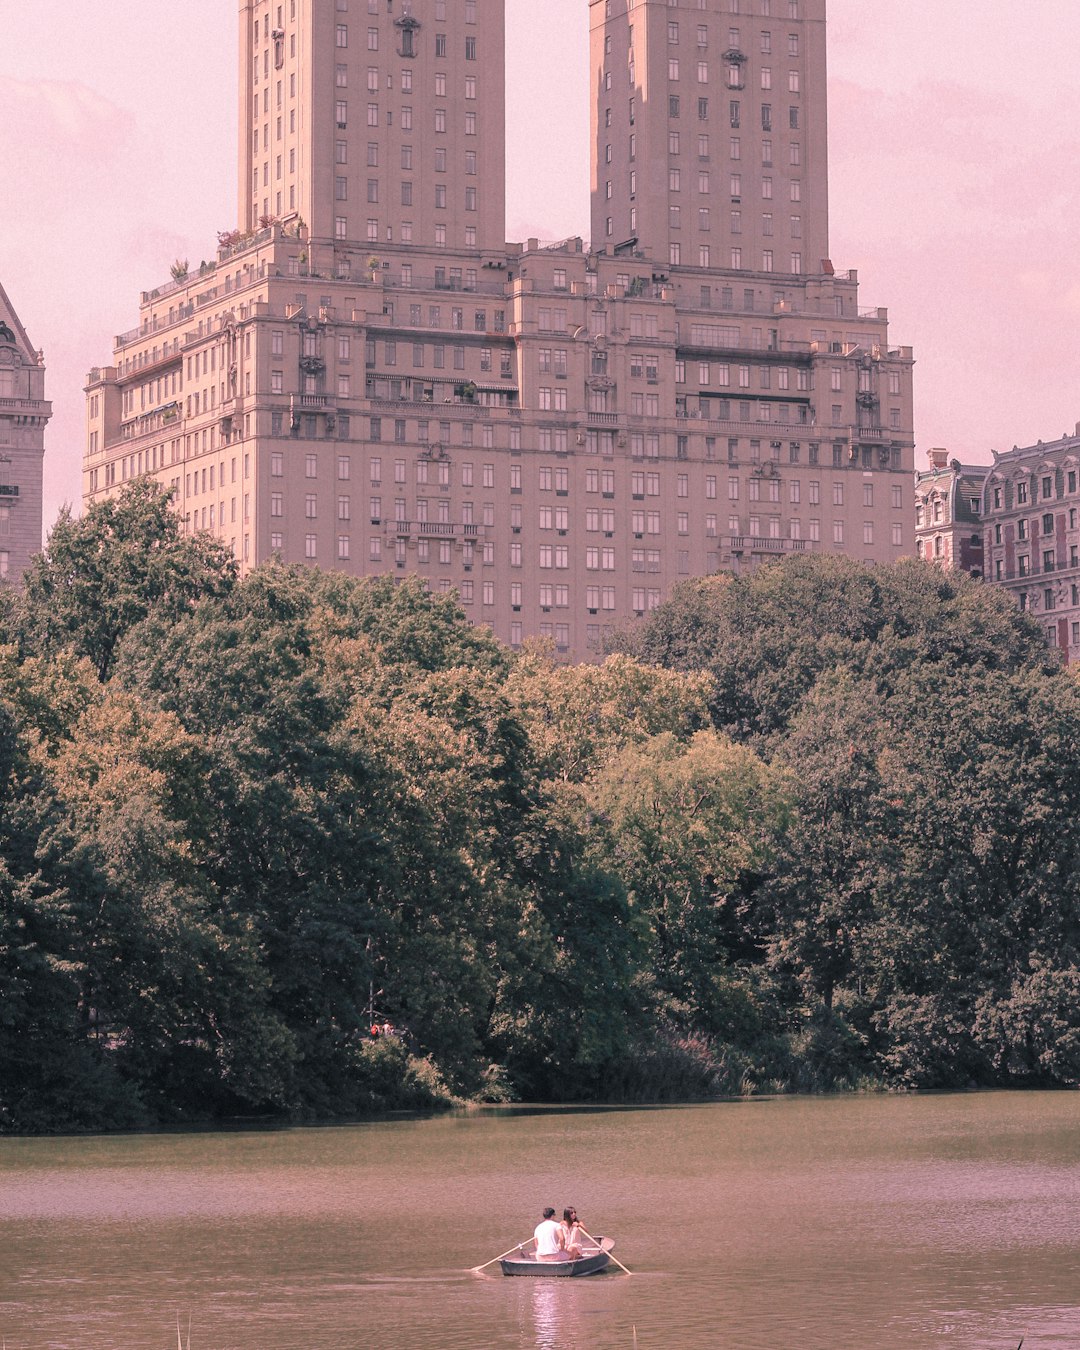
(938, 457)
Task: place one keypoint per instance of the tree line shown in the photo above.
(807, 829)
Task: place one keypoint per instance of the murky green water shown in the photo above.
(841, 1223)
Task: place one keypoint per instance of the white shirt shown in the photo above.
(547, 1237)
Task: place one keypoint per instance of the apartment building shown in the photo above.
(369, 378)
(24, 415)
(1031, 534)
(948, 512)
(710, 132)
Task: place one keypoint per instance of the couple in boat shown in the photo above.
(559, 1241)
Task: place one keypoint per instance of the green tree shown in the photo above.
(766, 637)
(689, 830)
(928, 876)
(578, 716)
(103, 573)
(362, 789)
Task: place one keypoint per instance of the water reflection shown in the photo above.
(894, 1222)
(552, 1315)
(563, 1314)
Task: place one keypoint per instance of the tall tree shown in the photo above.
(103, 573)
(689, 830)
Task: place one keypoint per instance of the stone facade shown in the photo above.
(24, 415)
(365, 380)
(710, 132)
(948, 513)
(1031, 534)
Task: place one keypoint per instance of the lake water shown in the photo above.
(796, 1223)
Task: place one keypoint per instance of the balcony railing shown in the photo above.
(27, 407)
(746, 543)
(455, 286)
(156, 325)
(772, 429)
(431, 529)
(429, 406)
(1017, 575)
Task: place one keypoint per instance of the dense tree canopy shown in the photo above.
(812, 827)
(106, 571)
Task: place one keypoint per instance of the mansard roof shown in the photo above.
(12, 333)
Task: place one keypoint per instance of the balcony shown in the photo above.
(745, 543)
(26, 407)
(1031, 572)
(388, 402)
(308, 402)
(431, 529)
(170, 355)
(243, 245)
(158, 419)
(159, 323)
(455, 285)
(770, 430)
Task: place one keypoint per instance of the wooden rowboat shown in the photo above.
(592, 1261)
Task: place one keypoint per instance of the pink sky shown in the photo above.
(954, 146)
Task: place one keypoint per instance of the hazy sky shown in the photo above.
(954, 175)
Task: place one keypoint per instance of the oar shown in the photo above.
(597, 1245)
(473, 1270)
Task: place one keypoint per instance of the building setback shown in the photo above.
(24, 415)
(369, 378)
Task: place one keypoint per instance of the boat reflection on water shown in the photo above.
(555, 1310)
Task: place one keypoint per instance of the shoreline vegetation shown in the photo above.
(811, 829)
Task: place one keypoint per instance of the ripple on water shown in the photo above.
(794, 1225)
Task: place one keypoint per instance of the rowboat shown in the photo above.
(592, 1260)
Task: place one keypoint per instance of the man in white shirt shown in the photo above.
(548, 1237)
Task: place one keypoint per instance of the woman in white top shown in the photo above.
(571, 1233)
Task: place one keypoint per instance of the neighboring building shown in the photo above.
(24, 415)
(1031, 534)
(369, 378)
(948, 513)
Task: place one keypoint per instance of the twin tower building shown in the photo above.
(369, 378)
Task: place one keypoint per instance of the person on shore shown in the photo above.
(548, 1236)
(571, 1233)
